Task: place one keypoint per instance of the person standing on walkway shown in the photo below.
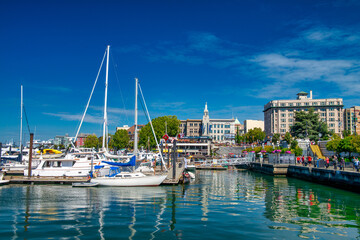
(309, 160)
(356, 164)
(335, 163)
(303, 160)
(353, 162)
(327, 162)
(341, 163)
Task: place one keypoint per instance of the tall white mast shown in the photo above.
(21, 118)
(136, 119)
(105, 105)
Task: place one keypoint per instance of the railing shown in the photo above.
(282, 159)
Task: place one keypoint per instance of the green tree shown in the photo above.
(346, 133)
(346, 145)
(91, 141)
(294, 144)
(255, 134)
(288, 137)
(356, 143)
(307, 124)
(173, 129)
(275, 138)
(120, 139)
(298, 151)
(333, 144)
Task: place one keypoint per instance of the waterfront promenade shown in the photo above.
(347, 178)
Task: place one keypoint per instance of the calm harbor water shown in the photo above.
(218, 205)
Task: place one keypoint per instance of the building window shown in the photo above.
(283, 104)
(331, 103)
(283, 130)
(291, 104)
(298, 104)
(314, 103)
(290, 120)
(306, 104)
(283, 120)
(191, 124)
(283, 125)
(283, 115)
(322, 103)
(195, 124)
(291, 114)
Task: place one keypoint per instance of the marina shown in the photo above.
(245, 203)
(180, 120)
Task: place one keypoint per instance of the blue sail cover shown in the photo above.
(132, 162)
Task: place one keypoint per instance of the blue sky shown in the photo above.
(235, 55)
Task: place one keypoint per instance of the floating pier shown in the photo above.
(44, 180)
(178, 176)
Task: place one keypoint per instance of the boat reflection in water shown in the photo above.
(217, 205)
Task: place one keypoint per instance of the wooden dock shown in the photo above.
(44, 180)
(169, 180)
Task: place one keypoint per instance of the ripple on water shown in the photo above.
(218, 205)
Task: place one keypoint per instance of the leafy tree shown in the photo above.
(307, 124)
(298, 151)
(159, 127)
(346, 133)
(288, 137)
(356, 143)
(91, 141)
(120, 139)
(333, 144)
(255, 135)
(294, 144)
(346, 145)
(275, 138)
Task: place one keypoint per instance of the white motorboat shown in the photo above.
(78, 164)
(129, 179)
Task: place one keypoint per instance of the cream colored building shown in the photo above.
(251, 124)
(279, 114)
(352, 119)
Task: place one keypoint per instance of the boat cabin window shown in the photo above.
(57, 164)
(127, 175)
(118, 175)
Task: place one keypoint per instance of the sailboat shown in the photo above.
(115, 177)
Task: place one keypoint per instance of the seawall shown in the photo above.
(348, 180)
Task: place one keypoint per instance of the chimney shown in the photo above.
(310, 94)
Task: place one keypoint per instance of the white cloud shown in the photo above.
(76, 117)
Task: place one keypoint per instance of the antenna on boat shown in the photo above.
(105, 104)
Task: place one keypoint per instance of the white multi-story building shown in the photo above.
(251, 124)
(220, 130)
(279, 114)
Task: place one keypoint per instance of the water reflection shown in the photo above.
(217, 205)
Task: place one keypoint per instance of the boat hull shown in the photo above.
(130, 182)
